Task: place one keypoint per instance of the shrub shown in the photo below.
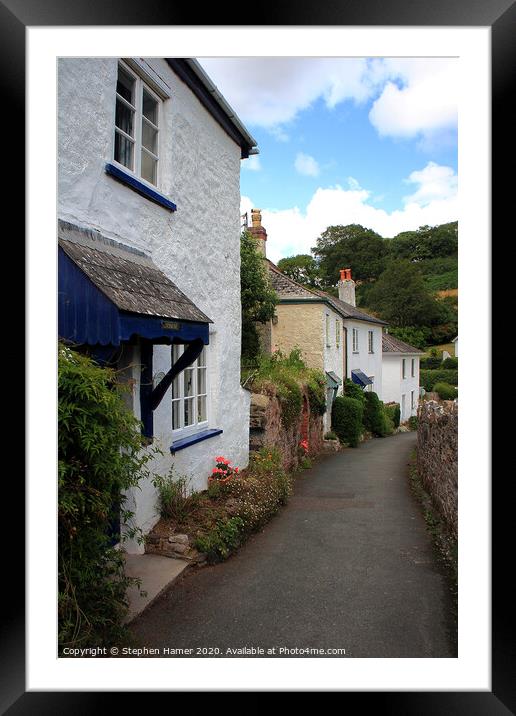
(451, 363)
(352, 390)
(374, 418)
(223, 539)
(429, 378)
(99, 457)
(412, 422)
(445, 391)
(347, 416)
(291, 399)
(430, 363)
(316, 386)
(175, 499)
(394, 413)
(330, 435)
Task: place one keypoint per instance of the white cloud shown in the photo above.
(293, 231)
(435, 182)
(411, 97)
(306, 165)
(252, 163)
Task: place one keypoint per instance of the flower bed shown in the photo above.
(210, 525)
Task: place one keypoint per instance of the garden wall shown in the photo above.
(267, 428)
(437, 456)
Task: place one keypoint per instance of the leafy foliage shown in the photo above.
(99, 457)
(346, 419)
(414, 336)
(353, 245)
(394, 413)
(451, 363)
(429, 378)
(302, 268)
(175, 498)
(445, 391)
(257, 295)
(352, 390)
(374, 418)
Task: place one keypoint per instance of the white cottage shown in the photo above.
(400, 375)
(149, 251)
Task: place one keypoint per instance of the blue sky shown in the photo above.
(344, 140)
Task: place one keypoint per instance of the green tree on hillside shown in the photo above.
(428, 242)
(302, 268)
(257, 295)
(401, 298)
(353, 246)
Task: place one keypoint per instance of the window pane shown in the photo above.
(201, 408)
(176, 414)
(149, 167)
(125, 85)
(201, 380)
(188, 382)
(150, 108)
(201, 360)
(149, 137)
(123, 150)
(189, 411)
(124, 118)
(176, 387)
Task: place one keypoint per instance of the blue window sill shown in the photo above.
(134, 183)
(193, 439)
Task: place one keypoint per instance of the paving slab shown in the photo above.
(156, 573)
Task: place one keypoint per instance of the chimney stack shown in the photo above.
(347, 287)
(256, 229)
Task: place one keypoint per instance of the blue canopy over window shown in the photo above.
(360, 378)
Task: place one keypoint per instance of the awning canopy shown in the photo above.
(332, 379)
(360, 378)
(109, 293)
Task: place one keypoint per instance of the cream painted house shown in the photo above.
(333, 335)
(400, 364)
(149, 252)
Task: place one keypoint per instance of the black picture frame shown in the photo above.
(500, 15)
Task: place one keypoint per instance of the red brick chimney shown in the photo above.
(347, 287)
(256, 229)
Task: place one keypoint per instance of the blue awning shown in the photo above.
(98, 289)
(360, 378)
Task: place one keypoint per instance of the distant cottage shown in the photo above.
(149, 250)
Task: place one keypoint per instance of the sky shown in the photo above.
(366, 141)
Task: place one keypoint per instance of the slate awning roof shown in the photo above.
(360, 378)
(390, 344)
(105, 288)
(288, 289)
(332, 379)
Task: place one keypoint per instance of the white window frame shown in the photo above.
(355, 340)
(403, 368)
(196, 426)
(337, 333)
(371, 341)
(138, 147)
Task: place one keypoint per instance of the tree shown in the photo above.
(257, 295)
(428, 242)
(302, 268)
(401, 298)
(353, 246)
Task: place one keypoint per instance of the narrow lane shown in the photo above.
(348, 564)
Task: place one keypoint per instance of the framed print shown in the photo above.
(35, 677)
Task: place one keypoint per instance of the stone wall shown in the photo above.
(437, 456)
(266, 428)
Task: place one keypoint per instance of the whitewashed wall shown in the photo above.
(368, 363)
(333, 354)
(394, 386)
(197, 246)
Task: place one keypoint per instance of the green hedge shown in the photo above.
(374, 418)
(445, 391)
(352, 390)
(347, 414)
(451, 363)
(428, 378)
(394, 412)
(431, 363)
